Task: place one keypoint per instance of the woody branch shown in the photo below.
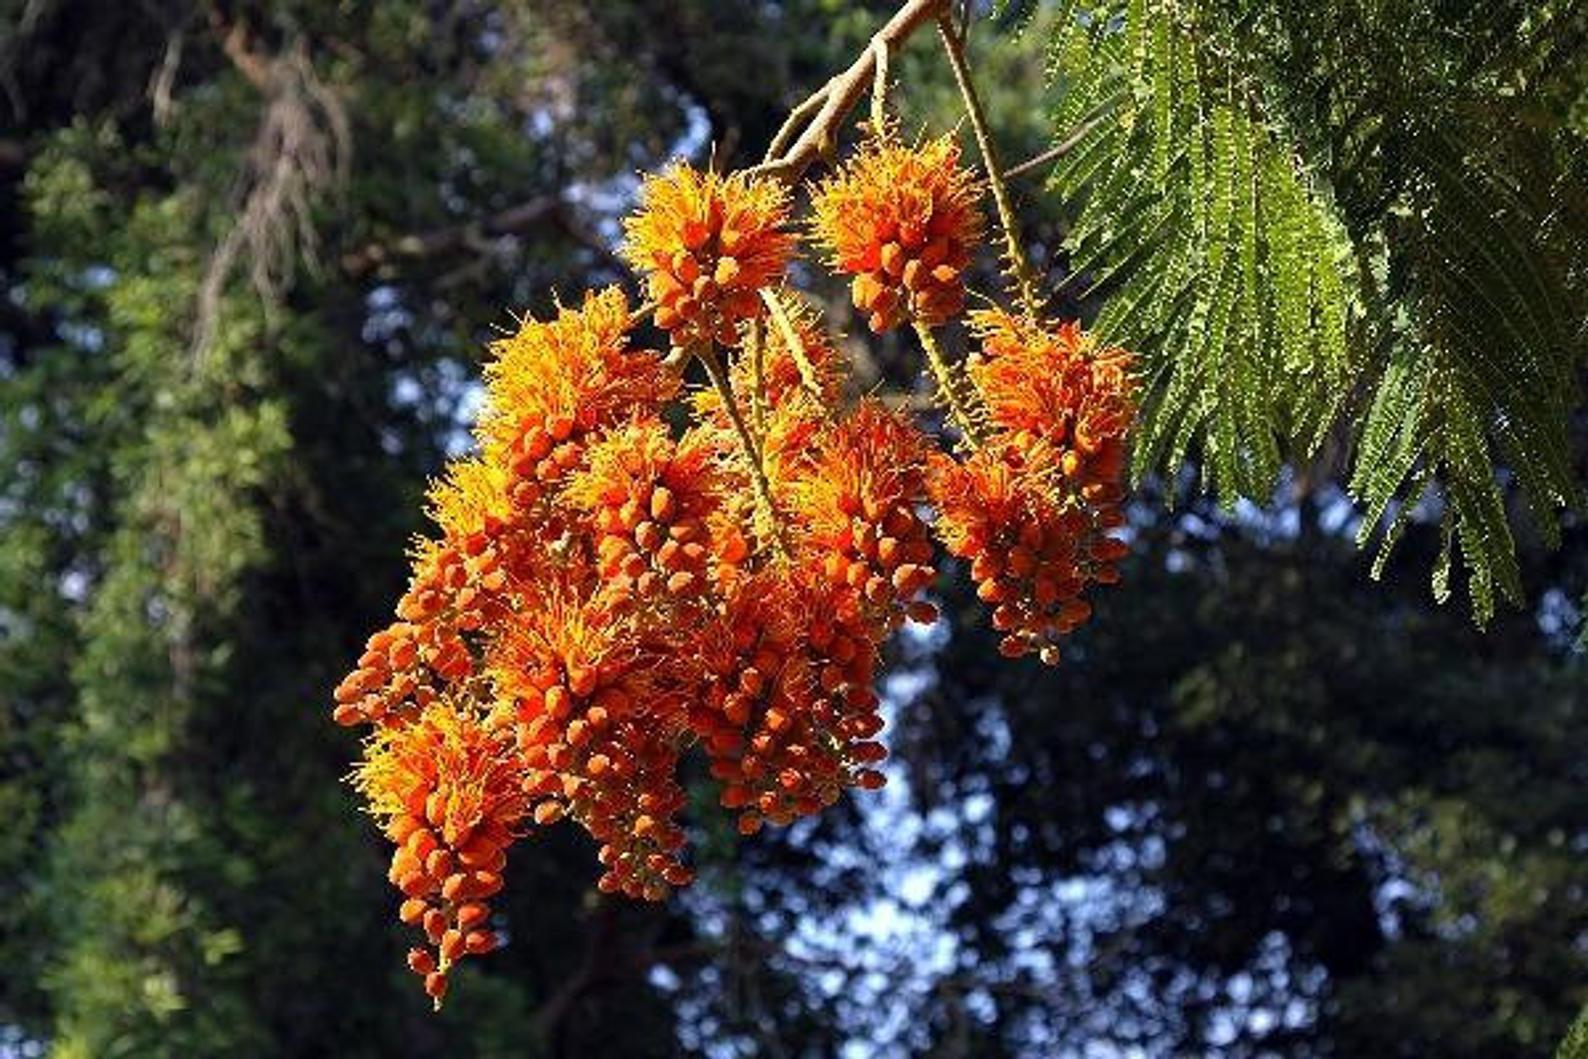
(791, 151)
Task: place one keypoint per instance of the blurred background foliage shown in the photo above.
(250, 255)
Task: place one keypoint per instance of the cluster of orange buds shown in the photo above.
(902, 221)
(1053, 383)
(858, 511)
(448, 790)
(788, 712)
(1032, 509)
(404, 664)
(842, 649)
(650, 498)
(612, 586)
(707, 245)
(554, 383)
(386, 679)
(599, 733)
(1021, 544)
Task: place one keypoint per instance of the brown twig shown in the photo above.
(840, 95)
(792, 124)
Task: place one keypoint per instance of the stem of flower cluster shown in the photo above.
(879, 92)
(812, 129)
(1023, 281)
(752, 452)
(755, 346)
(796, 346)
(948, 386)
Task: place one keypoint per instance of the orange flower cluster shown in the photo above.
(708, 245)
(1031, 509)
(859, 512)
(613, 583)
(447, 788)
(903, 222)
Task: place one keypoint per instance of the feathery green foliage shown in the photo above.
(1219, 258)
(1298, 211)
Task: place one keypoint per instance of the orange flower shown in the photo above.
(856, 507)
(561, 634)
(448, 792)
(599, 722)
(1055, 384)
(751, 714)
(556, 381)
(770, 374)
(406, 665)
(602, 592)
(707, 244)
(903, 221)
(1022, 546)
(795, 403)
(472, 497)
(842, 648)
(1063, 407)
(798, 392)
(787, 712)
(648, 500)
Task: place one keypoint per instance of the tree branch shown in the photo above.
(810, 131)
(841, 94)
(237, 42)
(542, 210)
(1020, 274)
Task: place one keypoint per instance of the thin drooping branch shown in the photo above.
(840, 95)
(1019, 267)
(548, 209)
(300, 153)
(707, 355)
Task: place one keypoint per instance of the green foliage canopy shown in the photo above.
(1355, 221)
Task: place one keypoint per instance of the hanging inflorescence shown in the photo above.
(608, 590)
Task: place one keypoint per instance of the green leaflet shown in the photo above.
(1198, 226)
(1282, 241)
